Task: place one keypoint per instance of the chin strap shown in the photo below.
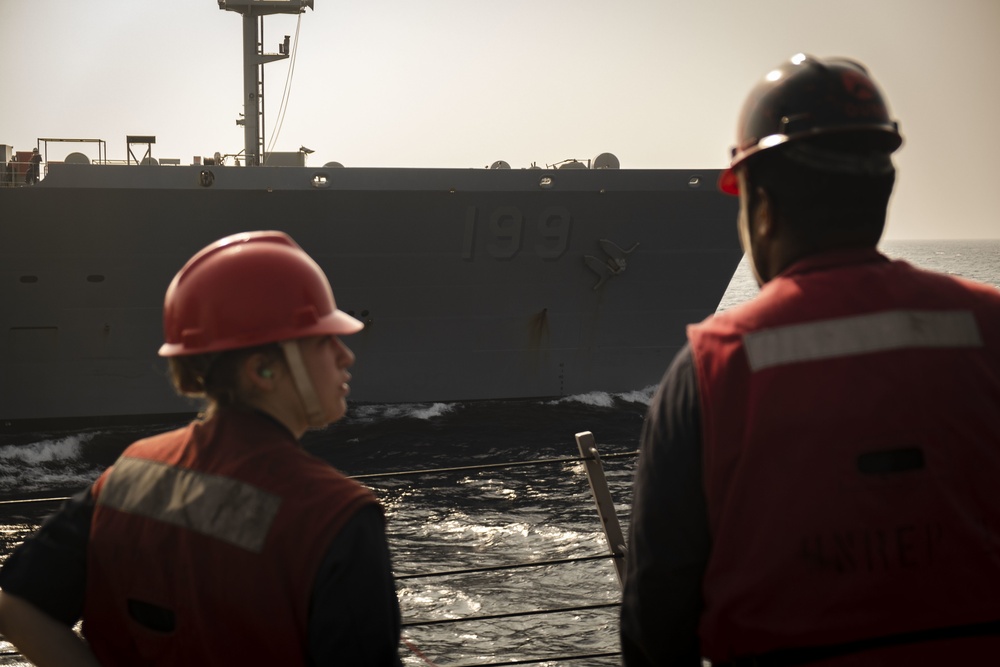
(300, 376)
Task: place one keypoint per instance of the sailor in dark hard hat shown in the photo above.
(817, 475)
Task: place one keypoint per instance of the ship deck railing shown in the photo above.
(610, 524)
(14, 174)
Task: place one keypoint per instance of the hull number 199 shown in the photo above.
(505, 231)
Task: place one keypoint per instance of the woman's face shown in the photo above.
(327, 359)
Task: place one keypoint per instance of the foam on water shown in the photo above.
(436, 410)
(640, 396)
(598, 399)
(603, 399)
(46, 465)
(46, 451)
(371, 413)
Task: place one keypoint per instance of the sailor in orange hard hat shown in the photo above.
(223, 542)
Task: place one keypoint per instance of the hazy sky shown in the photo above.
(462, 83)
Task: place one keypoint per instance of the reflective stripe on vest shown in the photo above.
(848, 336)
(216, 506)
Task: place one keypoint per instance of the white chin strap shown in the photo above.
(300, 376)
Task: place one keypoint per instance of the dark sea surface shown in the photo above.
(457, 518)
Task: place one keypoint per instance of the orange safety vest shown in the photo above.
(851, 434)
(211, 536)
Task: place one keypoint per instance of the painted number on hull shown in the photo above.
(505, 232)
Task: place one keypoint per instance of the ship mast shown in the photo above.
(253, 60)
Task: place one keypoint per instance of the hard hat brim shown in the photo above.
(337, 323)
(728, 182)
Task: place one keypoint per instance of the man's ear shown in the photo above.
(765, 220)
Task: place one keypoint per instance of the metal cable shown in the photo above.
(286, 93)
(19, 501)
(511, 614)
(404, 473)
(533, 661)
(472, 570)
(484, 466)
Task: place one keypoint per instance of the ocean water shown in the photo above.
(473, 511)
(975, 260)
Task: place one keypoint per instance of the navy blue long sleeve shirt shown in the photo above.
(669, 539)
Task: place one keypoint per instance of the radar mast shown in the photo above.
(253, 60)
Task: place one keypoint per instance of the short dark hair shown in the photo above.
(214, 376)
(827, 193)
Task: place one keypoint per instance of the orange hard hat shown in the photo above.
(245, 290)
(807, 97)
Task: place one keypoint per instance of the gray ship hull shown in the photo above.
(473, 284)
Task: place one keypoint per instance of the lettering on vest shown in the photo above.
(904, 546)
(862, 334)
(220, 507)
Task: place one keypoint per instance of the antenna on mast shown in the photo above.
(253, 60)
